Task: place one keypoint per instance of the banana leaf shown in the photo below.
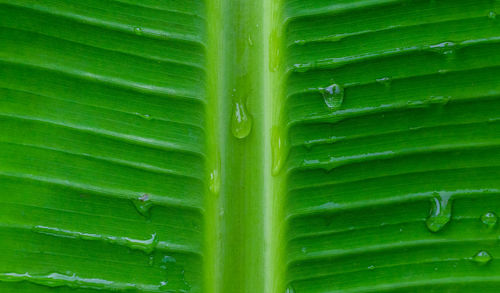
(275, 146)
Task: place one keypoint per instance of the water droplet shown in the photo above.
(250, 42)
(482, 257)
(274, 48)
(215, 176)
(440, 213)
(148, 245)
(492, 15)
(290, 289)
(333, 96)
(279, 150)
(440, 100)
(304, 250)
(214, 183)
(143, 204)
(489, 219)
(242, 122)
(151, 243)
(138, 31)
(301, 67)
(175, 277)
(145, 116)
(168, 259)
(372, 267)
(447, 49)
(299, 42)
(385, 81)
(416, 104)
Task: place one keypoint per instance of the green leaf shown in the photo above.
(249, 146)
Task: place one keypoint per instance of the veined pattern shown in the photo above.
(392, 114)
(102, 150)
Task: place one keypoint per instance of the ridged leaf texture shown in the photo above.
(231, 146)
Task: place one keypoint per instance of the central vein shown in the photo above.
(242, 211)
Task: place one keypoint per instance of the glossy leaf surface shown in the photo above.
(249, 146)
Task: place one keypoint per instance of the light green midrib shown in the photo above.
(211, 265)
(242, 218)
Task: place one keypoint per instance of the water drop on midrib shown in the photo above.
(333, 95)
(214, 182)
(274, 58)
(440, 213)
(279, 150)
(241, 123)
(250, 41)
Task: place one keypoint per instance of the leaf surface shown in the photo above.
(249, 146)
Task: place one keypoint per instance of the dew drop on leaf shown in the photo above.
(168, 259)
(447, 49)
(175, 280)
(385, 81)
(301, 67)
(489, 219)
(279, 150)
(241, 123)
(482, 257)
(214, 179)
(145, 116)
(143, 204)
(333, 96)
(151, 243)
(138, 31)
(440, 213)
(214, 182)
(299, 42)
(274, 51)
